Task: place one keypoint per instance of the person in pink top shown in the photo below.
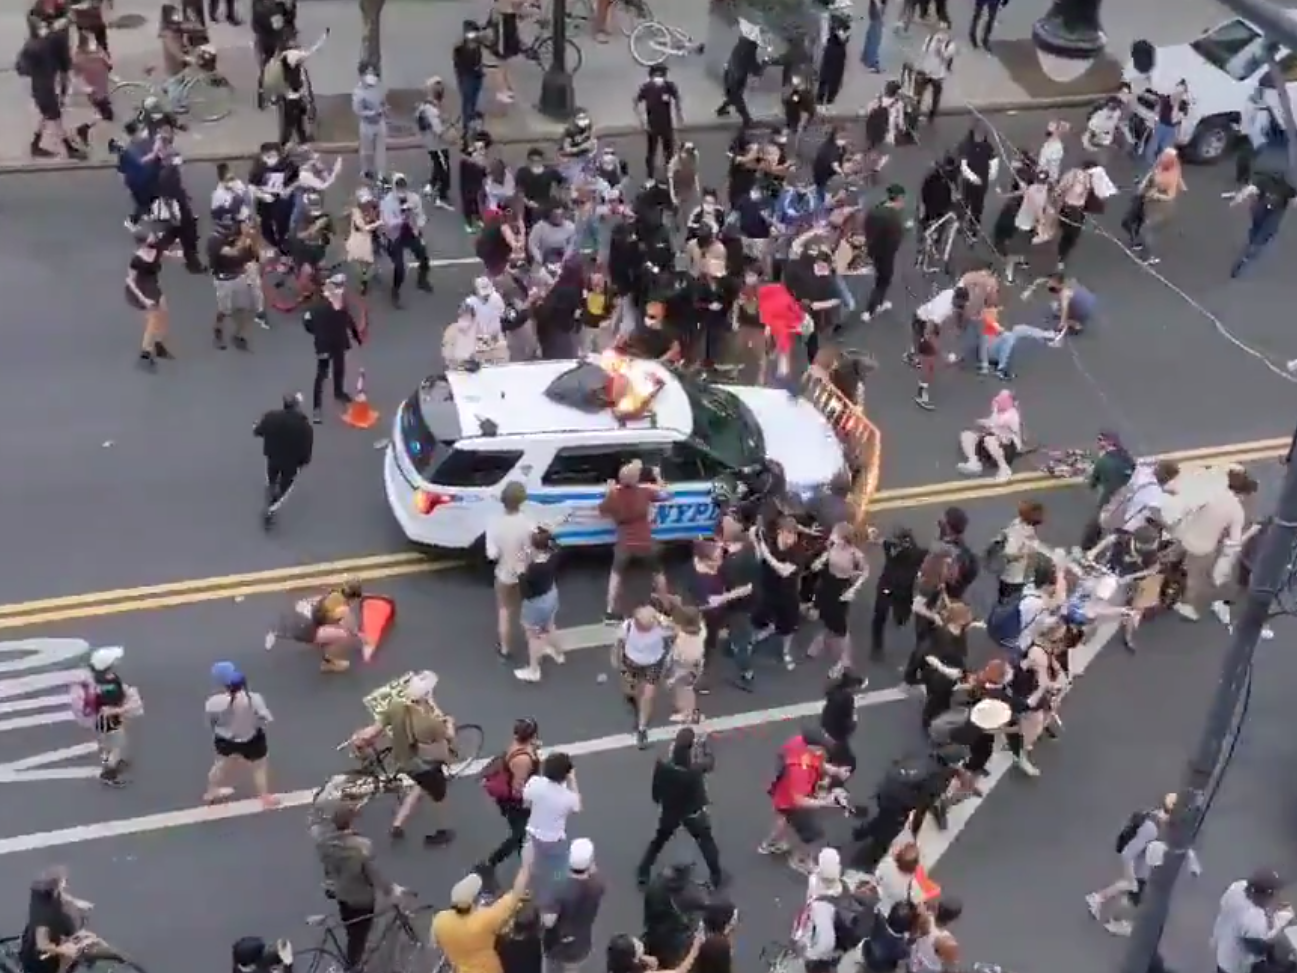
(996, 440)
(93, 69)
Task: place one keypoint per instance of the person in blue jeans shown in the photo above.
(1270, 196)
(873, 46)
(1171, 110)
(470, 74)
(998, 352)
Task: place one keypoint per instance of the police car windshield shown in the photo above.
(724, 425)
(1234, 47)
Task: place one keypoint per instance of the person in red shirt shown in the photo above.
(798, 792)
(629, 505)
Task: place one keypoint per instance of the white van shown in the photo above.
(1222, 68)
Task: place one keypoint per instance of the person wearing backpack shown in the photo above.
(1112, 470)
(1139, 848)
(889, 943)
(103, 702)
(833, 922)
(503, 780)
(1014, 623)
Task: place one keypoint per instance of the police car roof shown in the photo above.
(512, 397)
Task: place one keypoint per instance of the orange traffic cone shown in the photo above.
(359, 413)
(929, 889)
(376, 616)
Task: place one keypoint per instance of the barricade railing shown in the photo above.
(860, 439)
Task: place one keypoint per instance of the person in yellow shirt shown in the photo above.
(466, 932)
(329, 622)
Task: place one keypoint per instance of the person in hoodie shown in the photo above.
(679, 789)
(369, 104)
(287, 441)
(1111, 471)
(403, 222)
(171, 189)
(979, 167)
(833, 61)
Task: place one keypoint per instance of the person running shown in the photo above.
(238, 718)
(503, 781)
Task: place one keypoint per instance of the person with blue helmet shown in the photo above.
(238, 718)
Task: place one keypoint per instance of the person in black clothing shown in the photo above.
(884, 231)
(536, 183)
(817, 290)
(743, 153)
(680, 792)
(838, 717)
(657, 103)
(51, 923)
(978, 167)
(943, 663)
(287, 441)
(521, 762)
(272, 21)
(937, 191)
(50, 20)
(38, 62)
(171, 189)
(833, 61)
(271, 179)
(674, 903)
(252, 954)
(108, 696)
(798, 105)
(519, 945)
(894, 593)
(713, 297)
(653, 339)
(330, 322)
(744, 63)
(470, 75)
(829, 160)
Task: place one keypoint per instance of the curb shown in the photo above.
(611, 131)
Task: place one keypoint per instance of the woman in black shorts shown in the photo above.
(780, 610)
(144, 293)
(238, 718)
(840, 571)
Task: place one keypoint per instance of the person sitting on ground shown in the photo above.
(997, 439)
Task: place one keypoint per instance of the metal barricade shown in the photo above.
(860, 439)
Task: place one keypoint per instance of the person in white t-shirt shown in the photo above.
(1211, 534)
(488, 310)
(1248, 920)
(997, 438)
(508, 544)
(551, 797)
(943, 310)
(640, 654)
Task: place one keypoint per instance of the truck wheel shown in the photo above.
(1210, 143)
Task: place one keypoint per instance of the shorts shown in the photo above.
(684, 676)
(432, 781)
(251, 750)
(632, 673)
(1009, 449)
(507, 593)
(922, 344)
(830, 606)
(539, 613)
(136, 303)
(804, 823)
(297, 627)
(234, 296)
(783, 613)
(510, 41)
(650, 559)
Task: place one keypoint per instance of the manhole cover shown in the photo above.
(128, 22)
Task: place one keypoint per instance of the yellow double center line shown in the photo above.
(177, 594)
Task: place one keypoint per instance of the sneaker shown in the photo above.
(527, 675)
(1118, 927)
(866, 316)
(557, 656)
(440, 837)
(1027, 767)
(1221, 611)
(270, 640)
(1094, 903)
(641, 738)
(970, 468)
(768, 847)
(1187, 612)
(1003, 474)
(885, 306)
(801, 863)
(789, 662)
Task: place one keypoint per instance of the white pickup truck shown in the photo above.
(1222, 68)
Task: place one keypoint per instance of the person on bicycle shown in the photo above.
(467, 932)
(52, 941)
(352, 880)
(327, 621)
(423, 743)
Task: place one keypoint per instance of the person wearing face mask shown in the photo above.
(609, 172)
(403, 223)
(703, 248)
(707, 213)
(488, 311)
(333, 329)
(230, 248)
(884, 231)
(979, 167)
(775, 166)
(798, 105)
(577, 148)
(430, 120)
(144, 293)
(1171, 112)
(273, 179)
(470, 76)
(473, 173)
(292, 93)
(830, 160)
(536, 182)
(369, 104)
(658, 106)
(712, 298)
(743, 155)
(551, 239)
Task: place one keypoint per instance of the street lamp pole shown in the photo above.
(557, 93)
(1270, 575)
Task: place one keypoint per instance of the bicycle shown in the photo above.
(97, 956)
(199, 91)
(936, 244)
(288, 287)
(653, 42)
(393, 947)
(541, 51)
(627, 13)
(374, 775)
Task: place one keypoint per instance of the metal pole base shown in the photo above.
(1071, 30)
(557, 96)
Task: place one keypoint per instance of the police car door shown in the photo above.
(571, 487)
(690, 513)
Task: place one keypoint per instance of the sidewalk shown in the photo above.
(418, 36)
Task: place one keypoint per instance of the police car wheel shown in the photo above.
(1210, 143)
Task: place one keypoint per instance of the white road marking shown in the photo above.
(238, 809)
(17, 695)
(436, 262)
(933, 843)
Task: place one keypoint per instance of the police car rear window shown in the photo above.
(474, 468)
(429, 425)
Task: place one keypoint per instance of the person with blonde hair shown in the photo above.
(1154, 202)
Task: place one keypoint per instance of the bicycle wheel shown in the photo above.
(105, 963)
(351, 787)
(210, 97)
(280, 283)
(468, 745)
(778, 958)
(127, 98)
(400, 949)
(317, 960)
(631, 14)
(650, 44)
(543, 53)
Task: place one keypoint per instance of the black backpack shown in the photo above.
(853, 920)
(884, 950)
(1131, 828)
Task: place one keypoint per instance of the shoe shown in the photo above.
(241, 343)
(317, 417)
(527, 675)
(262, 322)
(218, 340)
(1003, 474)
(1221, 611)
(1094, 904)
(162, 351)
(1027, 767)
(148, 361)
(1187, 612)
(331, 666)
(641, 738)
(439, 838)
(972, 468)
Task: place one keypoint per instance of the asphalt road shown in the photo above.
(174, 484)
(1022, 864)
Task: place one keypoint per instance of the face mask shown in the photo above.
(270, 160)
(370, 79)
(657, 80)
(538, 167)
(754, 194)
(709, 204)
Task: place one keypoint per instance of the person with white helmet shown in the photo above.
(103, 702)
(423, 743)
